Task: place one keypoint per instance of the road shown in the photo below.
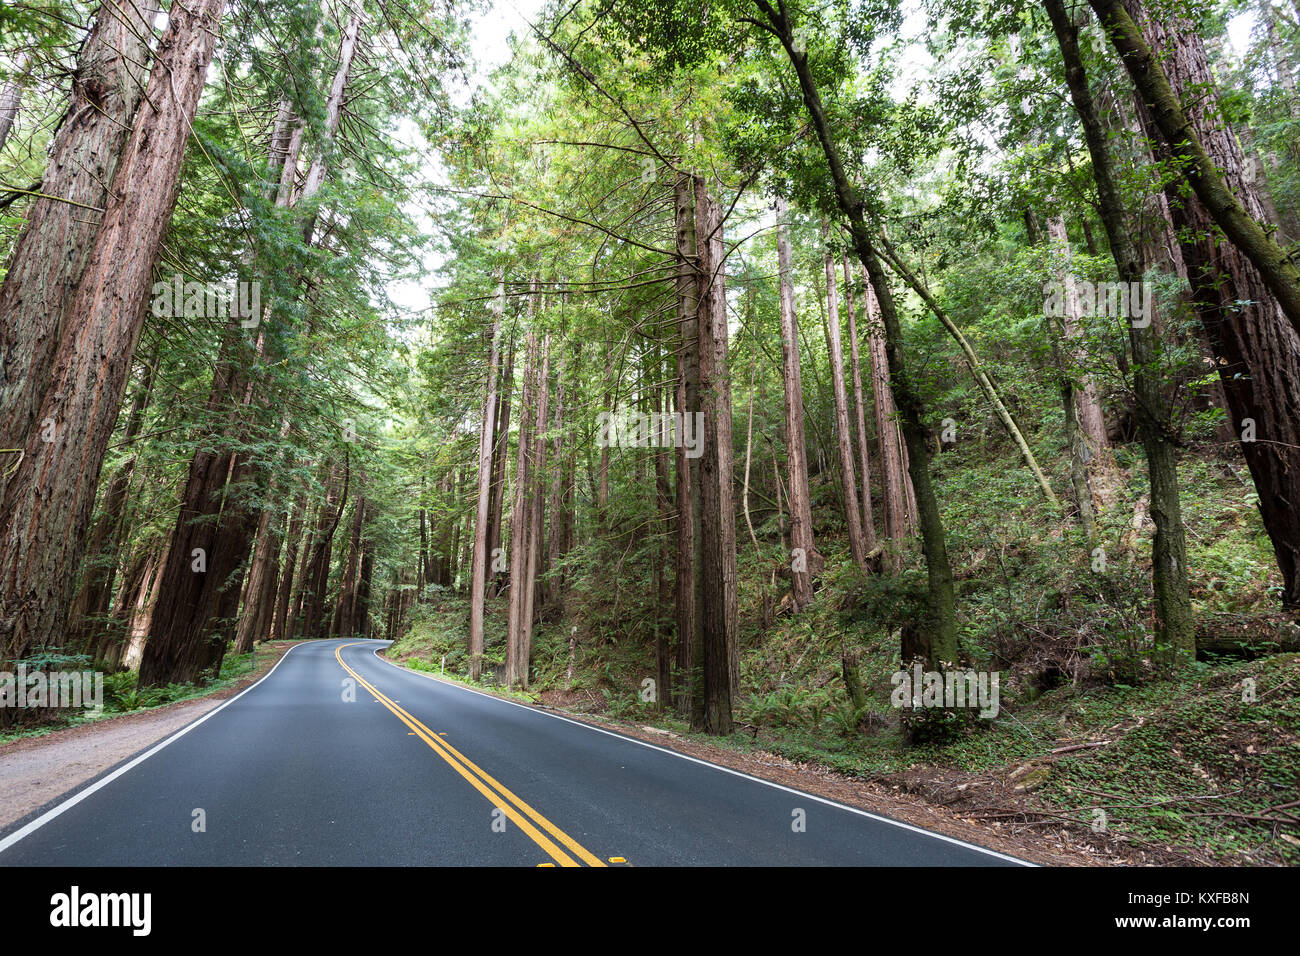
(419, 771)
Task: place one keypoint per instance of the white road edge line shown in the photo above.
(736, 773)
(76, 798)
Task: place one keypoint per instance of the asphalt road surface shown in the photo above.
(337, 757)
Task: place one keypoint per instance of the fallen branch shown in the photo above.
(1074, 747)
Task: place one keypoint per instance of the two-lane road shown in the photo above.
(340, 758)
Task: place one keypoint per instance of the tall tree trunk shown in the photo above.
(440, 559)
(390, 611)
(1166, 59)
(58, 235)
(227, 616)
(11, 97)
(1103, 476)
(422, 555)
(689, 535)
(1257, 350)
(293, 626)
(455, 557)
(803, 555)
(280, 624)
(749, 459)
(1169, 552)
(344, 623)
(500, 466)
(843, 436)
(859, 413)
(333, 116)
(717, 503)
(315, 623)
(466, 552)
(536, 514)
(48, 500)
(567, 514)
(103, 551)
(939, 630)
(1281, 56)
(1074, 439)
(895, 481)
(518, 624)
(664, 549)
(478, 570)
(556, 546)
(108, 645)
(259, 607)
(133, 611)
(361, 610)
(602, 486)
(206, 546)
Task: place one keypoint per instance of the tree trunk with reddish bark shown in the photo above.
(859, 414)
(103, 552)
(500, 467)
(479, 566)
(58, 233)
(284, 591)
(719, 651)
(803, 549)
(843, 436)
(689, 536)
(1257, 350)
(344, 621)
(49, 497)
(893, 470)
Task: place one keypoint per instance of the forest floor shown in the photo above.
(41, 764)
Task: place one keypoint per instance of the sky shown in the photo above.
(490, 48)
(492, 31)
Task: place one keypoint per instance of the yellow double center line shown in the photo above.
(500, 797)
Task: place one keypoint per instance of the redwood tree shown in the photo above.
(50, 495)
